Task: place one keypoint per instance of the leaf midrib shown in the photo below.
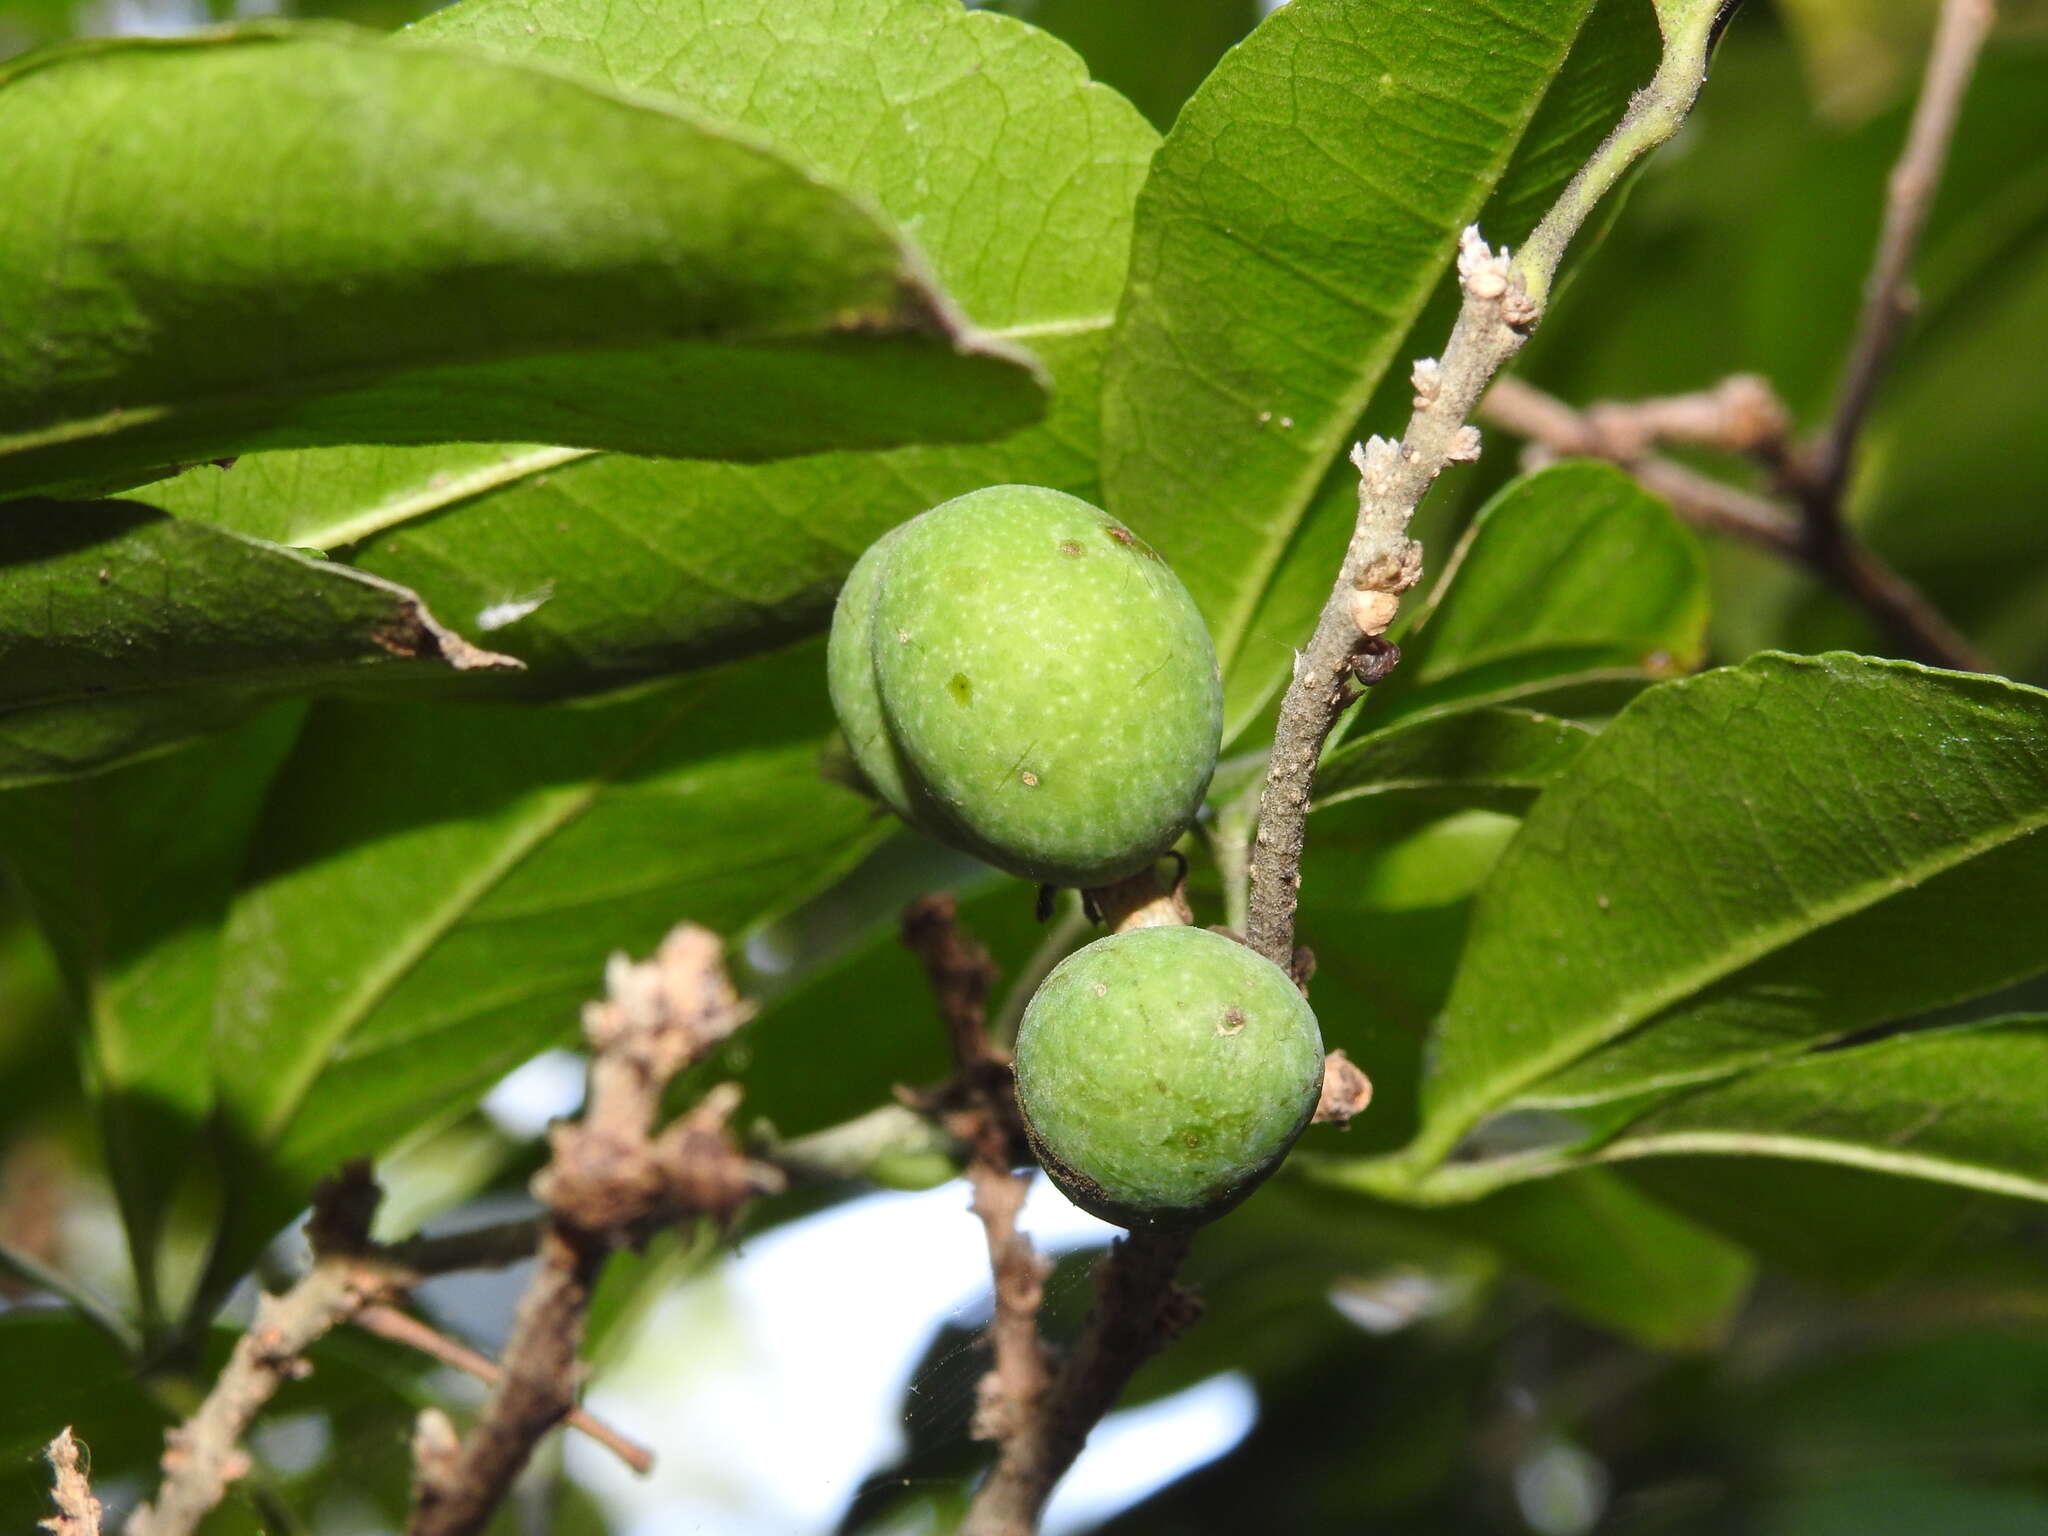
(1821, 1149)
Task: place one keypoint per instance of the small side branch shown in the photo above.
(612, 1180)
(1728, 418)
(1888, 296)
(1628, 435)
(389, 1322)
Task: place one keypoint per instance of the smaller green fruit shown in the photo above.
(1163, 1073)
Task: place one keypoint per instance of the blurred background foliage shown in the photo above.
(1741, 1349)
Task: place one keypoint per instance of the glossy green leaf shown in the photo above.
(124, 631)
(1737, 866)
(129, 874)
(1573, 583)
(1958, 1106)
(1297, 222)
(465, 249)
(1494, 759)
(979, 135)
(437, 889)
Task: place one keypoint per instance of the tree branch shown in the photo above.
(1503, 300)
(349, 1275)
(610, 1183)
(1888, 297)
(979, 1108)
(1625, 434)
(1139, 1310)
(203, 1455)
(496, 1246)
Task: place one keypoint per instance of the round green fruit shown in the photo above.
(1020, 675)
(1163, 1073)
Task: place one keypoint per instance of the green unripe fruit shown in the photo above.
(1163, 1073)
(1021, 676)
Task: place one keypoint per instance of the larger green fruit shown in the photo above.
(1021, 676)
(1164, 1073)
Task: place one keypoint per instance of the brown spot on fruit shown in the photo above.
(1131, 541)
(1071, 548)
(1231, 1023)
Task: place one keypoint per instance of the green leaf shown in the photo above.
(1156, 52)
(1903, 1503)
(1848, 1229)
(123, 631)
(1611, 1253)
(1603, 1249)
(1745, 862)
(1492, 759)
(1298, 220)
(1959, 1106)
(979, 134)
(463, 249)
(437, 889)
(1573, 582)
(1958, 1393)
(130, 873)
